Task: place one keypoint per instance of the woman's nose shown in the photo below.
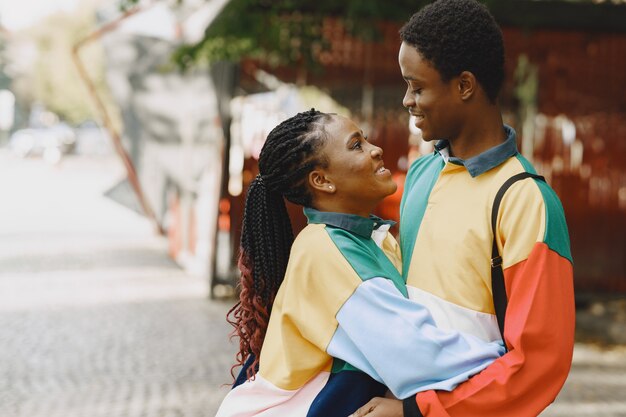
(376, 152)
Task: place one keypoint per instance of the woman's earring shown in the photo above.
(331, 187)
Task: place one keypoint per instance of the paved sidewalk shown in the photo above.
(96, 321)
(595, 386)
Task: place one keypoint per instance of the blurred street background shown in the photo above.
(129, 131)
(95, 319)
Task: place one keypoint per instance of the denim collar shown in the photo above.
(487, 160)
(362, 226)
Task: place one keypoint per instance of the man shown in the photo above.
(452, 58)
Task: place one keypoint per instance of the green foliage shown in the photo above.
(286, 31)
(126, 5)
(289, 31)
(274, 32)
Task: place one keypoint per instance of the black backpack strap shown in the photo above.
(498, 289)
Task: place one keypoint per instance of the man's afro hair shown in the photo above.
(456, 36)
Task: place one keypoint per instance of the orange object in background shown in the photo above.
(174, 240)
(175, 231)
(223, 220)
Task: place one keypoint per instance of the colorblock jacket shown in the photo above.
(343, 306)
(446, 238)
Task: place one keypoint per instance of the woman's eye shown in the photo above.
(357, 145)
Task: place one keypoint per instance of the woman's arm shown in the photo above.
(396, 341)
(367, 322)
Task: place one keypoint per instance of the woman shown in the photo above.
(342, 305)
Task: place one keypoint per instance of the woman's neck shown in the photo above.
(337, 207)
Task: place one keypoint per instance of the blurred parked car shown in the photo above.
(92, 139)
(51, 142)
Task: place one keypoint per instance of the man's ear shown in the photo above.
(467, 85)
(320, 182)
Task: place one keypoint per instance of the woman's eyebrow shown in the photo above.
(354, 135)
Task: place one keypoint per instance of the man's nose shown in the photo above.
(408, 100)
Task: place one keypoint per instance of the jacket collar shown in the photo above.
(362, 226)
(485, 161)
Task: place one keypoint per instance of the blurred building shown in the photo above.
(173, 132)
(577, 140)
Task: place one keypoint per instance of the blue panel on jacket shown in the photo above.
(242, 377)
(344, 393)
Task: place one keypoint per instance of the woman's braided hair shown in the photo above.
(290, 153)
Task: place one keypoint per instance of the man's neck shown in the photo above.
(483, 134)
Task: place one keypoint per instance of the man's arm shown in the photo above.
(539, 326)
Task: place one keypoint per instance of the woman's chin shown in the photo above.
(390, 190)
(393, 187)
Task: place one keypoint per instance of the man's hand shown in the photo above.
(380, 407)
